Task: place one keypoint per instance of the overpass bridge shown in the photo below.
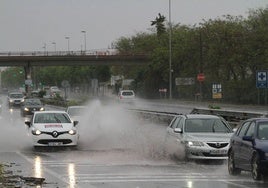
(69, 58)
(65, 58)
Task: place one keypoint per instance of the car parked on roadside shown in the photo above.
(198, 136)
(249, 149)
(52, 128)
(126, 96)
(31, 105)
(15, 99)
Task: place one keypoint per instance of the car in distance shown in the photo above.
(76, 112)
(15, 99)
(249, 149)
(54, 90)
(31, 105)
(126, 96)
(198, 136)
(52, 128)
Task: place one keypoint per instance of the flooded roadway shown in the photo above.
(116, 149)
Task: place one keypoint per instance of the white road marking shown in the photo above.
(133, 177)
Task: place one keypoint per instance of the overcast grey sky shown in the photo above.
(26, 25)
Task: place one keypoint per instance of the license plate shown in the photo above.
(55, 143)
(218, 152)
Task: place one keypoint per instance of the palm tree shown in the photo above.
(159, 24)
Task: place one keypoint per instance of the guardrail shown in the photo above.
(234, 117)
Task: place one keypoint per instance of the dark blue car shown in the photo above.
(249, 149)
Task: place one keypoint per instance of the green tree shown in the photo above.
(159, 24)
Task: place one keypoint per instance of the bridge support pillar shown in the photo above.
(28, 78)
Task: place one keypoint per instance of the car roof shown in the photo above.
(50, 112)
(201, 116)
(33, 98)
(15, 92)
(76, 106)
(127, 90)
(258, 119)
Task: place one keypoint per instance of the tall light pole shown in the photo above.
(55, 48)
(68, 39)
(85, 40)
(170, 53)
(45, 48)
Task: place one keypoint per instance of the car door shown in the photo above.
(172, 137)
(237, 141)
(246, 147)
(173, 125)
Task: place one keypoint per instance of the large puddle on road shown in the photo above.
(108, 133)
(111, 131)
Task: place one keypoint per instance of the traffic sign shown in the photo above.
(184, 81)
(261, 79)
(28, 82)
(216, 91)
(201, 77)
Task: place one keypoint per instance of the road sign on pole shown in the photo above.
(261, 79)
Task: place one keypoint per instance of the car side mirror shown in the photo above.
(248, 138)
(178, 130)
(28, 123)
(75, 123)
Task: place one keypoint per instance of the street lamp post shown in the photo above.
(55, 48)
(85, 40)
(68, 39)
(45, 48)
(170, 53)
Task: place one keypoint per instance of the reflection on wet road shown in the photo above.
(116, 150)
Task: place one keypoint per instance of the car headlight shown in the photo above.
(22, 100)
(26, 109)
(11, 100)
(72, 132)
(36, 132)
(42, 109)
(195, 143)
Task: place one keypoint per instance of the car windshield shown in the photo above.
(206, 125)
(32, 102)
(17, 95)
(51, 118)
(263, 131)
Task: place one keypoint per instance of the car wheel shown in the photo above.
(255, 167)
(231, 165)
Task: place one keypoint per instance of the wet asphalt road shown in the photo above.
(116, 150)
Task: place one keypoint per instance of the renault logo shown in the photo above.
(55, 134)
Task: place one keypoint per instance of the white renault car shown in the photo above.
(197, 136)
(53, 128)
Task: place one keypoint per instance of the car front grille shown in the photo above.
(214, 155)
(217, 144)
(46, 141)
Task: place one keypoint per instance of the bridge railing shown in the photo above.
(62, 53)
